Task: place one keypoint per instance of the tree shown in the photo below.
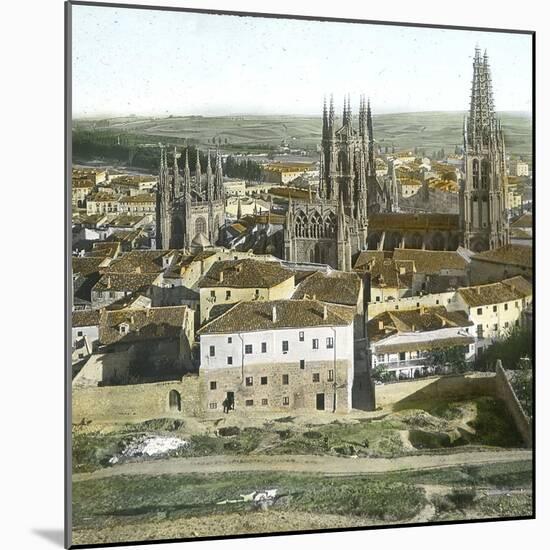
(451, 360)
(381, 374)
(511, 350)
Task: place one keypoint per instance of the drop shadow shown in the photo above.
(55, 536)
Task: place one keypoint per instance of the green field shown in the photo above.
(427, 130)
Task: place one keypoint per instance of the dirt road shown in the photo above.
(304, 463)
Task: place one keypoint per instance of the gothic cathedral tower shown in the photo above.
(483, 218)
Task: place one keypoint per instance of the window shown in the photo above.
(79, 333)
(495, 327)
(506, 324)
(264, 347)
(249, 381)
(227, 294)
(495, 309)
(402, 356)
(212, 351)
(302, 364)
(330, 342)
(248, 349)
(249, 402)
(285, 346)
(315, 343)
(264, 401)
(213, 295)
(316, 377)
(257, 293)
(505, 307)
(378, 298)
(263, 380)
(380, 357)
(286, 401)
(517, 305)
(285, 379)
(229, 340)
(213, 385)
(479, 311)
(212, 405)
(437, 302)
(301, 336)
(331, 375)
(229, 360)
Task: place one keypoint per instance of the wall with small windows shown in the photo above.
(296, 368)
(412, 302)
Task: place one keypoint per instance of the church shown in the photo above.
(355, 210)
(190, 210)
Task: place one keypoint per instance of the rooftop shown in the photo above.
(508, 290)
(126, 282)
(86, 265)
(145, 198)
(510, 254)
(144, 261)
(255, 316)
(245, 273)
(104, 197)
(398, 221)
(431, 261)
(334, 287)
(524, 221)
(105, 249)
(86, 318)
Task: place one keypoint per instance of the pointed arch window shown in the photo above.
(475, 173)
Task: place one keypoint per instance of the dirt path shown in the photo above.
(303, 463)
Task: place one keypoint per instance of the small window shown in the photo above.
(380, 357)
(212, 351)
(301, 336)
(249, 381)
(79, 333)
(264, 347)
(212, 405)
(378, 298)
(263, 380)
(505, 307)
(229, 360)
(479, 311)
(229, 340)
(285, 379)
(316, 377)
(257, 293)
(506, 324)
(330, 342)
(248, 349)
(315, 343)
(212, 294)
(331, 375)
(402, 356)
(264, 401)
(437, 302)
(213, 385)
(495, 327)
(80, 355)
(286, 401)
(302, 364)
(227, 294)
(517, 305)
(249, 402)
(285, 346)
(495, 309)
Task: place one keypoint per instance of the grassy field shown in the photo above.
(148, 507)
(428, 130)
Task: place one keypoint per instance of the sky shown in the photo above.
(145, 62)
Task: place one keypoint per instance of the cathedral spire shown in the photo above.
(325, 117)
(331, 114)
(175, 175)
(209, 179)
(370, 166)
(186, 174)
(218, 177)
(198, 171)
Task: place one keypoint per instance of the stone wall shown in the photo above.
(136, 402)
(505, 392)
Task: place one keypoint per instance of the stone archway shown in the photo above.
(174, 401)
(373, 241)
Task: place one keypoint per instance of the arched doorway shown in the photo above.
(174, 400)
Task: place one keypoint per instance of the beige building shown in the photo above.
(278, 356)
(103, 203)
(129, 184)
(80, 190)
(138, 204)
(519, 168)
(94, 175)
(283, 173)
(502, 263)
(232, 281)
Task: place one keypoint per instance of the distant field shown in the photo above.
(429, 130)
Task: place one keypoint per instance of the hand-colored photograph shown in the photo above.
(300, 258)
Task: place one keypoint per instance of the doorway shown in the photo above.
(230, 401)
(174, 400)
(320, 401)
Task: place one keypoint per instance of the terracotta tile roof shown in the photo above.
(104, 197)
(254, 316)
(144, 261)
(126, 282)
(86, 318)
(146, 198)
(82, 183)
(402, 222)
(143, 324)
(105, 249)
(511, 254)
(431, 261)
(246, 273)
(334, 287)
(368, 256)
(508, 290)
(427, 345)
(125, 236)
(86, 265)
(125, 220)
(525, 220)
(390, 273)
(414, 320)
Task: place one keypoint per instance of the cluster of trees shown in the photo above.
(439, 155)
(246, 169)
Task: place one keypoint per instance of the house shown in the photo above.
(495, 308)
(103, 203)
(279, 355)
(115, 286)
(399, 341)
(80, 190)
(143, 261)
(135, 205)
(84, 333)
(501, 263)
(86, 272)
(232, 281)
(129, 184)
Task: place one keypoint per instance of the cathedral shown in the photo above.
(482, 201)
(332, 228)
(190, 209)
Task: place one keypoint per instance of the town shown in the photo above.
(223, 288)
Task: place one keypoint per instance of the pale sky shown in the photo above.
(132, 61)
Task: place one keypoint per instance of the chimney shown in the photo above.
(132, 319)
(108, 281)
(138, 269)
(274, 314)
(413, 327)
(325, 313)
(380, 325)
(220, 276)
(478, 289)
(401, 270)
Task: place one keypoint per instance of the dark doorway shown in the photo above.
(174, 400)
(320, 401)
(230, 400)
